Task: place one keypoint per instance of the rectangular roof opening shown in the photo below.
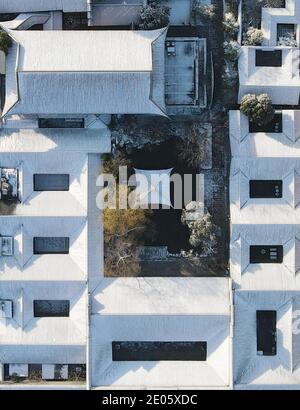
(51, 182)
(268, 58)
(265, 188)
(50, 245)
(266, 254)
(51, 308)
(273, 127)
(159, 351)
(266, 332)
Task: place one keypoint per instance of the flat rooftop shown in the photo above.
(185, 70)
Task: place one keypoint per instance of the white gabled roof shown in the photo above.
(73, 202)
(55, 140)
(265, 276)
(252, 370)
(86, 72)
(246, 144)
(27, 339)
(246, 210)
(161, 309)
(17, 6)
(271, 16)
(25, 265)
(282, 84)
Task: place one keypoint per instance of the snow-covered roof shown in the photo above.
(284, 210)
(27, 266)
(17, 6)
(72, 202)
(260, 144)
(86, 72)
(55, 140)
(276, 15)
(265, 276)
(251, 370)
(161, 309)
(28, 339)
(282, 83)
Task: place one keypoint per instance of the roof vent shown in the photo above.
(6, 309)
(6, 245)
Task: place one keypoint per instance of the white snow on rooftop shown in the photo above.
(164, 309)
(55, 140)
(29, 339)
(265, 276)
(25, 265)
(261, 144)
(264, 210)
(75, 72)
(17, 6)
(251, 369)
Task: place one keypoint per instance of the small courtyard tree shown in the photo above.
(253, 37)
(124, 231)
(5, 41)
(258, 108)
(202, 233)
(154, 15)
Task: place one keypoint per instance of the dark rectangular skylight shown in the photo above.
(273, 127)
(266, 332)
(51, 182)
(61, 123)
(159, 351)
(268, 58)
(51, 308)
(265, 188)
(50, 245)
(266, 254)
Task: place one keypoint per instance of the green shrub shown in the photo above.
(155, 15)
(5, 41)
(230, 24)
(258, 108)
(253, 37)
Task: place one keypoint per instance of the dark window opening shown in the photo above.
(159, 351)
(274, 126)
(265, 188)
(61, 123)
(50, 245)
(75, 21)
(266, 254)
(268, 58)
(77, 371)
(8, 16)
(36, 27)
(51, 308)
(286, 31)
(2, 91)
(51, 182)
(35, 371)
(266, 332)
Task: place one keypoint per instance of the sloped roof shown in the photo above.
(282, 84)
(25, 265)
(260, 144)
(69, 203)
(251, 369)
(265, 276)
(55, 140)
(86, 72)
(271, 16)
(15, 6)
(248, 210)
(27, 339)
(161, 309)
